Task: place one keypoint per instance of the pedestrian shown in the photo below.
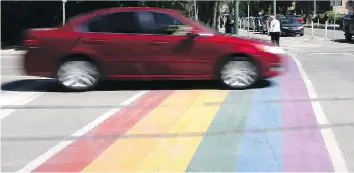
(230, 22)
(274, 30)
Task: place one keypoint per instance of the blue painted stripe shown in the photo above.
(263, 152)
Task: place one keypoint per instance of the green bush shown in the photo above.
(320, 17)
(328, 16)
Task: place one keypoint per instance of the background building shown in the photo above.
(342, 6)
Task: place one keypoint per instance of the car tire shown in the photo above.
(78, 75)
(302, 34)
(239, 73)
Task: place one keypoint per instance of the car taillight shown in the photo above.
(31, 43)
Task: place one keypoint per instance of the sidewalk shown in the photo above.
(10, 52)
(323, 26)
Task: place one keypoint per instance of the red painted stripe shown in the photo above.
(83, 151)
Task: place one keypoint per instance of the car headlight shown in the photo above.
(272, 49)
(285, 28)
(300, 27)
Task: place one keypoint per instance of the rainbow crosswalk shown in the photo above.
(204, 131)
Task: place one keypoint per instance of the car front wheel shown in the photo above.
(78, 75)
(239, 73)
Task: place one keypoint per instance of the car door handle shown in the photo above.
(95, 40)
(157, 43)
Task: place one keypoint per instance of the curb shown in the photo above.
(323, 27)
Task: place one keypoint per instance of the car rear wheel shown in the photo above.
(78, 75)
(239, 73)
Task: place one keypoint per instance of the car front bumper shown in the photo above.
(292, 31)
(275, 65)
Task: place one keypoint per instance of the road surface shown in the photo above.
(297, 122)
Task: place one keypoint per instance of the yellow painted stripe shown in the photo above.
(174, 154)
(125, 154)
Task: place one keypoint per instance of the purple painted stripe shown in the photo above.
(304, 149)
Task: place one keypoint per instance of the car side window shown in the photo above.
(162, 19)
(165, 24)
(120, 22)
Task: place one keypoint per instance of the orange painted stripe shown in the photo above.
(125, 154)
(80, 153)
(174, 154)
(184, 113)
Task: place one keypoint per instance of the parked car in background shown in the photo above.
(146, 43)
(280, 16)
(291, 26)
(298, 18)
(348, 26)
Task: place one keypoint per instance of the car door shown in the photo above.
(115, 39)
(172, 53)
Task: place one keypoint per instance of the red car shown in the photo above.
(145, 43)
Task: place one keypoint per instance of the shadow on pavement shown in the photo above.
(51, 85)
(260, 33)
(344, 41)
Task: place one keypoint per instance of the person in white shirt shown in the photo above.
(274, 30)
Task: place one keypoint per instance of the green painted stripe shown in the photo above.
(218, 153)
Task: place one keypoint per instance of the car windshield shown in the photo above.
(290, 21)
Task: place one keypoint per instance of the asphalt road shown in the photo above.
(297, 122)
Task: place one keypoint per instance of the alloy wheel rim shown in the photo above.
(239, 73)
(78, 74)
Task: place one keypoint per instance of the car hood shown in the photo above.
(245, 40)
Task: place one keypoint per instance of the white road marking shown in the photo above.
(57, 148)
(17, 98)
(301, 45)
(8, 56)
(6, 112)
(8, 66)
(329, 138)
(349, 54)
(330, 53)
(325, 53)
(23, 77)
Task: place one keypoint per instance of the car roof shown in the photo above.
(134, 9)
(82, 17)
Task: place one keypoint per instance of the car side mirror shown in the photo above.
(192, 35)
